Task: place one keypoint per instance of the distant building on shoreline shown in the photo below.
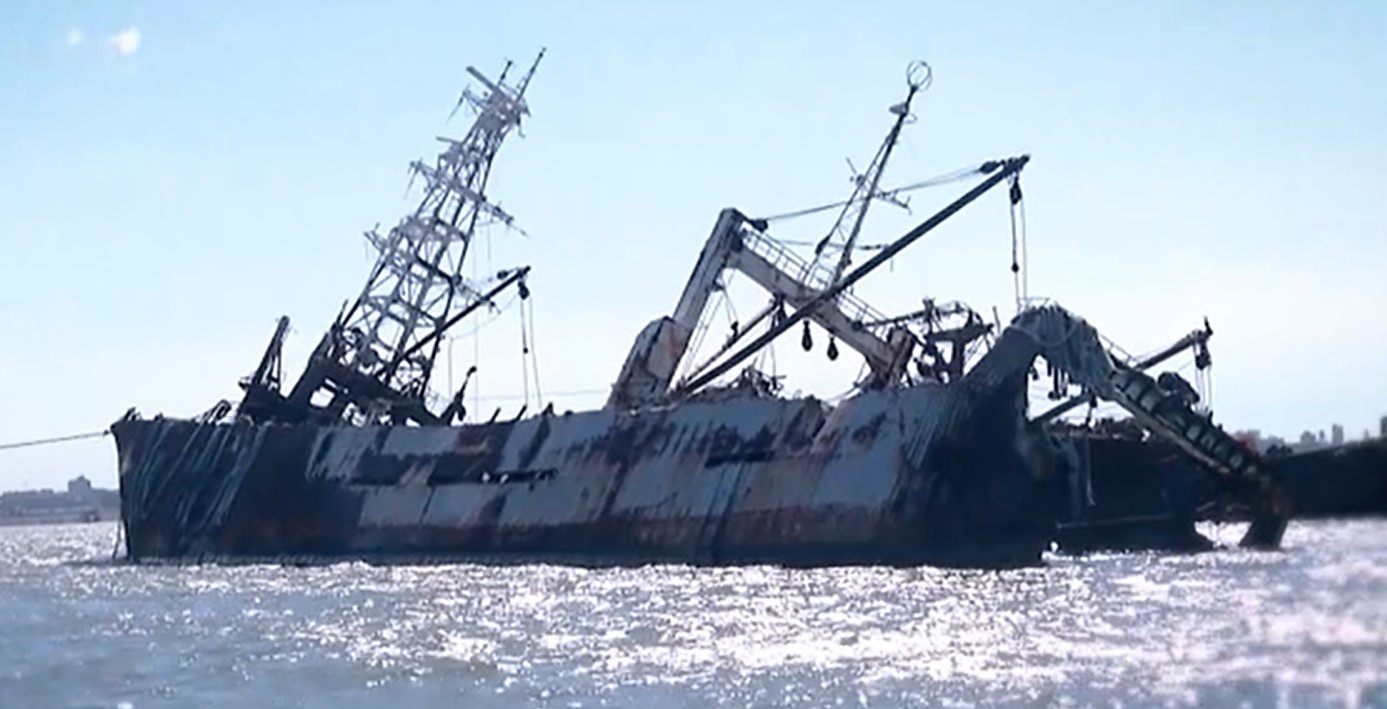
(1307, 441)
(80, 502)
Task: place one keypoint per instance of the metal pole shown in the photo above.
(512, 277)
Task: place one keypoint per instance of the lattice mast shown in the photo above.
(392, 333)
(842, 238)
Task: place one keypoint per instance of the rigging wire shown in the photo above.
(57, 439)
(859, 247)
(1020, 256)
(476, 350)
(862, 372)
(556, 394)
(943, 179)
(1025, 250)
(693, 351)
(495, 311)
(730, 310)
(1015, 198)
(534, 356)
(499, 310)
(524, 355)
(775, 364)
(704, 324)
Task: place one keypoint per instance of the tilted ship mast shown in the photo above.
(954, 324)
(375, 362)
(842, 237)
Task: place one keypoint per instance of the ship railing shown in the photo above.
(815, 276)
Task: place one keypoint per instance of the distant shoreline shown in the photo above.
(54, 517)
(79, 503)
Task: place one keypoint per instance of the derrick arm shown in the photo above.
(654, 357)
(765, 262)
(1072, 346)
(739, 244)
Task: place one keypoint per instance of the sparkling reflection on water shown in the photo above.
(1302, 627)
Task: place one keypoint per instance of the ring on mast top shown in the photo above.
(918, 75)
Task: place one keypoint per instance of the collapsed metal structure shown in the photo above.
(931, 460)
(375, 363)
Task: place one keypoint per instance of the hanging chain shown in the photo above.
(1018, 231)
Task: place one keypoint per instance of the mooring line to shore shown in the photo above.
(59, 439)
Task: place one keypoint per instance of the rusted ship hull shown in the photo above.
(935, 475)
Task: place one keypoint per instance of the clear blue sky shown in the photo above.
(166, 193)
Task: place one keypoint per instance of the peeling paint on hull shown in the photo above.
(924, 475)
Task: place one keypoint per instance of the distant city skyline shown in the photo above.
(1310, 439)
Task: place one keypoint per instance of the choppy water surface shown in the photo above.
(1303, 627)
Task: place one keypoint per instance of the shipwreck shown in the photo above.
(933, 459)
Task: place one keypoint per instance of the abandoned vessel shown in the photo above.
(932, 460)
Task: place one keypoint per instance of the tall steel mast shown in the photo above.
(374, 363)
(842, 238)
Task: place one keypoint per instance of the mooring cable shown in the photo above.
(58, 439)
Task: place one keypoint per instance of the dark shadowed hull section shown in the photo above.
(1341, 481)
(1138, 495)
(926, 475)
